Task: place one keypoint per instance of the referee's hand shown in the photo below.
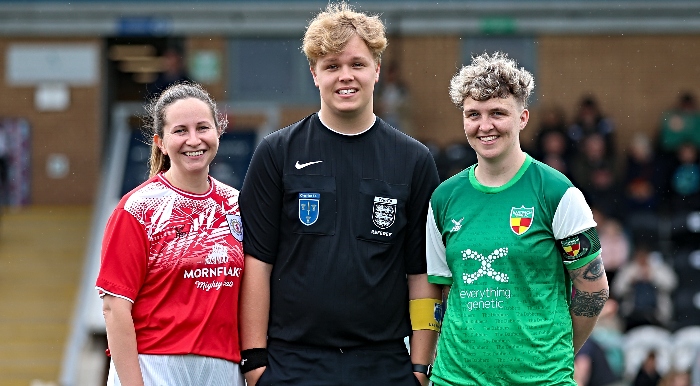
(253, 376)
(422, 378)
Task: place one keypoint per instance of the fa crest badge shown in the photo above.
(384, 212)
(309, 207)
(235, 225)
(521, 219)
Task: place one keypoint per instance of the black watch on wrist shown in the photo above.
(425, 369)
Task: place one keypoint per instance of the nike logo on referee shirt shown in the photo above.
(301, 166)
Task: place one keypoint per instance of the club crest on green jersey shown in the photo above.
(571, 246)
(521, 219)
(578, 246)
(308, 207)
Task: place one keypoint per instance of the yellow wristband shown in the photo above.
(426, 314)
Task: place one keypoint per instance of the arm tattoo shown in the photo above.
(591, 271)
(588, 304)
(594, 270)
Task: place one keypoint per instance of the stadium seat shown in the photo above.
(685, 346)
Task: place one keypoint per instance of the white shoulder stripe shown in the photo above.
(436, 255)
(573, 215)
(104, 292)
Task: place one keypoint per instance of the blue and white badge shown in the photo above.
(308, 207)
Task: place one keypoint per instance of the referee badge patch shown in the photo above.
(308, 207)
(384, 212)
(521, 219)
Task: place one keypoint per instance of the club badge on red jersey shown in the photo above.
(235, 225)
(521, 219)
(384, 212)
(308, 207)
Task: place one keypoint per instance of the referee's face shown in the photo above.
(493, 127)
(346, 80)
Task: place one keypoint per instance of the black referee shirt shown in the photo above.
(342, 220)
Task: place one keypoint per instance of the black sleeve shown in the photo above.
(261, 204)
(425, 180)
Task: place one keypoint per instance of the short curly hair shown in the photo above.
(330, 31)
(491, 76)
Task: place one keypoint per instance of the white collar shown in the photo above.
(345, 134)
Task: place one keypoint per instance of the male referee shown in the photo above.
(334, 209)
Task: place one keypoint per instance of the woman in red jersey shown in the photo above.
(172, 257)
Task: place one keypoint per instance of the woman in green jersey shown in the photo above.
(514, 242)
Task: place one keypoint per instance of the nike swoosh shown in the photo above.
(301, 166)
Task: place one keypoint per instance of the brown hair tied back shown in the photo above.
(155, 118)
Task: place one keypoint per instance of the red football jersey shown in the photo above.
(178, 257)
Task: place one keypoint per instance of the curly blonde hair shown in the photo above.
(331, 29)
(491, 76)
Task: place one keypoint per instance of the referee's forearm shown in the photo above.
(254, 305)
(423, 346)
(423, 341)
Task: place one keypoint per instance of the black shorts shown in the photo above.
(383, 364)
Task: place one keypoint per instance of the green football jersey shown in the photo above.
(505, 252)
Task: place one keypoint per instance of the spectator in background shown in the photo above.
(590, 120)
(680, 125)
(594, 169)
(174, 72)
(644, 186)
(676, 378)
(685, 179)
(591, 367)
(552, 145)
(608, 332)
(393, 99)
(613, 240)
(644, 287)
(647, 375)
(4, 167)
(600, 362)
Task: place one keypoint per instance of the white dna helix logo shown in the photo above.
(485, 269)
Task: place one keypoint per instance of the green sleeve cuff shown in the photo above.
(442, 280)
(581, 262)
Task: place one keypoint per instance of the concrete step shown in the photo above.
(41, 261)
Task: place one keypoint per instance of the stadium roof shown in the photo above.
(285, 17)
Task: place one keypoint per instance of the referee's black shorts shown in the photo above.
(382, 364)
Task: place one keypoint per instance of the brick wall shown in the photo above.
(634, 78)
(74, 132)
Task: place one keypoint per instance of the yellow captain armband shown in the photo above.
(426, 314)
